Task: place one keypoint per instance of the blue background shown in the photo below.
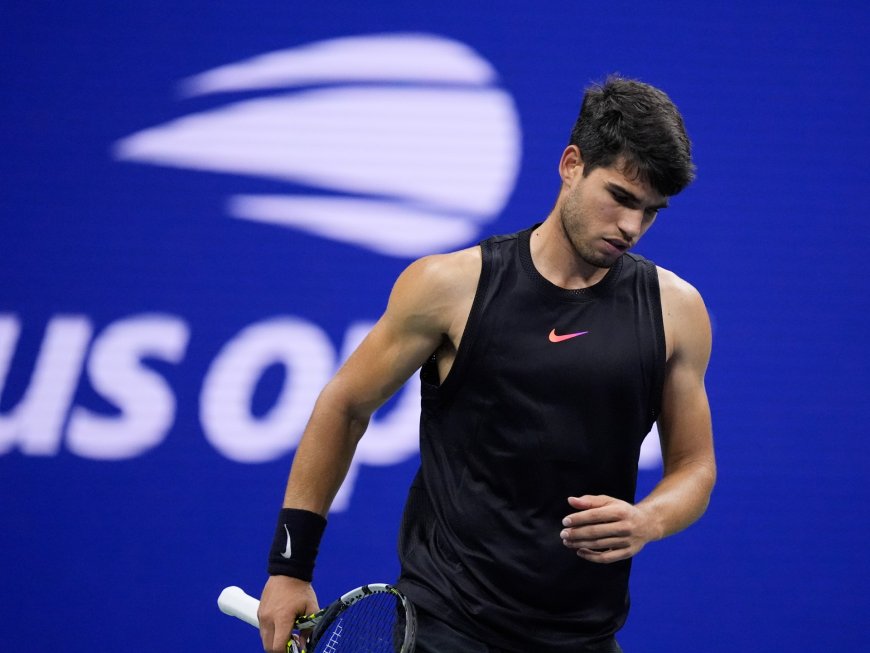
(99, 555)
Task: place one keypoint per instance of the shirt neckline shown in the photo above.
(598, 289)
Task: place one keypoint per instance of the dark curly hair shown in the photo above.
(626, 121)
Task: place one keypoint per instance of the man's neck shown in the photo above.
(556, 259)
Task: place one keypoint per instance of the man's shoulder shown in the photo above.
(434, 280)
(675, 287)
(432, 291)
(686, 321)
(448, 269)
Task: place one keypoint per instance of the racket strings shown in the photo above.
(374, 624)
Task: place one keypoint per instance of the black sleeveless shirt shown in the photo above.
(550, 395)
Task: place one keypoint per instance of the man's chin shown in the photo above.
(601, 262)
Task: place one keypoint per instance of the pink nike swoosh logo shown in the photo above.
(567, 336)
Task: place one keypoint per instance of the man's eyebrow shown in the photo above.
(616, 188)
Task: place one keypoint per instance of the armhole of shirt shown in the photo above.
(446, 388)
(654, 301)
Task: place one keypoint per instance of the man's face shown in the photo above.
(605, 213)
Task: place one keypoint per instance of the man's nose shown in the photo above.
(630, 224)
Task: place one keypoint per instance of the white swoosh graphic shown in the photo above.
(383, 227)
(376, 58)
(288, 550)
(357, 140)
(421, 165)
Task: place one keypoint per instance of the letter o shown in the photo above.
(225, 402)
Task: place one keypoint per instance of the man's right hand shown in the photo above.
(283, 600)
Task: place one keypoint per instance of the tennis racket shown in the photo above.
(374, 618)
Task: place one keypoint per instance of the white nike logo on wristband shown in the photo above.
(288, 550)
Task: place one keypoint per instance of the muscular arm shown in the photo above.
(606, 529)
(685, 427)
(398, 344)
(429, 303)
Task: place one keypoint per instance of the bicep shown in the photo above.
(405, 336)
(385, 359)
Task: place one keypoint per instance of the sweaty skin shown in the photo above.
(595, 220)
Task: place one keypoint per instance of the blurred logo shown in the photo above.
(402, 144)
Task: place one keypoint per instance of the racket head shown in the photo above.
(374, 618)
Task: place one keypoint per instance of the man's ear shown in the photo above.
(571, 164)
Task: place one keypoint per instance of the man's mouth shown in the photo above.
(617, 243)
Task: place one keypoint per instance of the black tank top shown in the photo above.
(550, 395)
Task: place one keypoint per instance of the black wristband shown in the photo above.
(297, 539)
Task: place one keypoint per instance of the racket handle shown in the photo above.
(234, 602)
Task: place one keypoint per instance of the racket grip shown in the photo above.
(234, 602)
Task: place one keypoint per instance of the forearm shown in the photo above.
(324, 454)
(680, 498)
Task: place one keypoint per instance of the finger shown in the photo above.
(604, 515)
(595, 531)
(588, 501)
(605, 556)
(302, 638)
(596, 545)
(267, 633)
(612, 511)
(281, 636)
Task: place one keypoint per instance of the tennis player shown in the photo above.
(547, 355)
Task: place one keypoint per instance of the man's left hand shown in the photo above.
(605, 529)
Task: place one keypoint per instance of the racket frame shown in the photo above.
(322, 619)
